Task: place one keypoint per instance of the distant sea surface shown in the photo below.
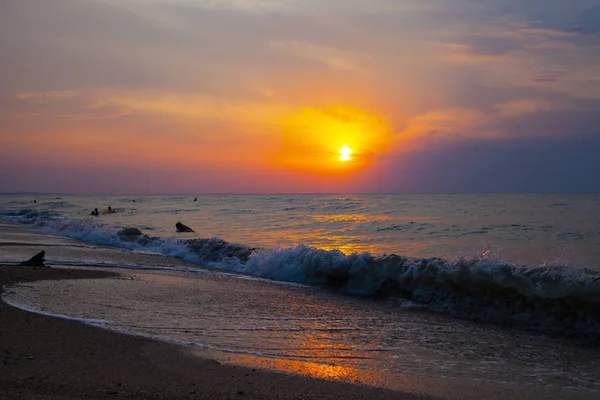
(526, 229)
(277, 271)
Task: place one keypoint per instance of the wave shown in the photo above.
(237, 211)
(550, 298)
(409, 226)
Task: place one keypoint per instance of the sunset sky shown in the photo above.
(299, 96)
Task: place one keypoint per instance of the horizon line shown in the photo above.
(25, 193)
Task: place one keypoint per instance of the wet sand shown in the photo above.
(43, 358)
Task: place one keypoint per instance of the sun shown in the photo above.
(335, 141)
(345, 152)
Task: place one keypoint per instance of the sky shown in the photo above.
(299, 96)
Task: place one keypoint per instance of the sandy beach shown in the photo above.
(45, 357)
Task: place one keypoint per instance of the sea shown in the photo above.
(495, 288)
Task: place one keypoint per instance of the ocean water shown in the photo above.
(526, 229)
(502, 288)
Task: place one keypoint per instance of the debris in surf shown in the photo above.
(35, 261)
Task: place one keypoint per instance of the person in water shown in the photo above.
(109, 209)
(95, 212)
(183, 228)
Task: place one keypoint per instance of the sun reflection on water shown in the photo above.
(313, 369)
(317, 349)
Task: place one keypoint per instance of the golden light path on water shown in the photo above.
(349, 239)
(319, 370)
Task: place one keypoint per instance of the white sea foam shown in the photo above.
(561, 297)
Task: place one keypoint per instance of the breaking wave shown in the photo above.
(552, 298)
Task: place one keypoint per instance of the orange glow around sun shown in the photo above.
(331, 141)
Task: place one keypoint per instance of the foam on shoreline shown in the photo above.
(555, 298)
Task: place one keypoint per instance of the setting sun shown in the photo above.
(345, 152)
(331, 141)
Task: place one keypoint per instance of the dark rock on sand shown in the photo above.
(35, 261)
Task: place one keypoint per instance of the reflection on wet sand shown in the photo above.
(320, 370)
(314, 332)
(311, 343)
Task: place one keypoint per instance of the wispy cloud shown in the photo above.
(462, 53)
(57, 94)
(249, 6)
(516, 53)
(517, 108)
(197, 107)
(334, 58)
(441, 126)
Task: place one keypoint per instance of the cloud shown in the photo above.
(334, 58)
(186, 107)
(441, 126)
(518, 165)
(439, 72)
(466, 54)
(58, 94)
(517, 108)
(251, 6)
(90, 116)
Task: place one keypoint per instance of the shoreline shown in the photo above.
(44, 357)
